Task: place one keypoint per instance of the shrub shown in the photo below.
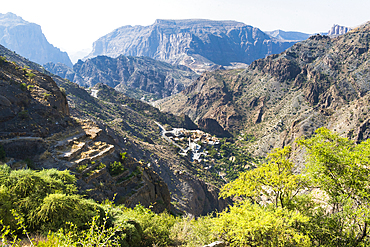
(116, 168)
(253, 225)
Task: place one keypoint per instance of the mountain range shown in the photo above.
(27, 39)
(196, 43)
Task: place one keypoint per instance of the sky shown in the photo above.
(73, 25)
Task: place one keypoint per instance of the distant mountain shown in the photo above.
(336, 30)
(135, 76)
(27, 39)
(288, 35)
(196, 43)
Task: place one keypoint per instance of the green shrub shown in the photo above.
(116, 168)
(45, 199)
(156, 228)
(253, 225)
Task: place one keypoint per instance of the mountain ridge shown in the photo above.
(188, 42)
(136, 76)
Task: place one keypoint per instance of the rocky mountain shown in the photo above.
(288, 35)
(111, 142)
(135, 76)
(199, 44)
(336, 30)
(27, 39)
(318, 82)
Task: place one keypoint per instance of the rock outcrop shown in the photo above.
(336, 30)
(27, 39)
(195, 43)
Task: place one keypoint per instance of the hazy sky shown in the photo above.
(74, 25)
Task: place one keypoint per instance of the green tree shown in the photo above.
(272, 182)
(266, 214)
(339, 170)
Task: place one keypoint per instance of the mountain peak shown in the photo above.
(11, 19)
(27, 39)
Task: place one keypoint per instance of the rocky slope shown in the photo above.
(319, 82)
(91, 142)
(27, 39)
(137, 77)
(195, 43)
(37, 131)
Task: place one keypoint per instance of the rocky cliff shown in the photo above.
(135, 76)
(195, 43)
(27, 39)
(318, 82)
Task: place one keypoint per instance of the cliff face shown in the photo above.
(320, 82)
(148, 77)
(28, 40)
(190, 42)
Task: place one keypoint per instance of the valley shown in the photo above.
(199, 125)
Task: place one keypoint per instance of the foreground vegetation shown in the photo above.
(326, 205)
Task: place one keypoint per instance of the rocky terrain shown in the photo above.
(138, 77)
(319, 82)
(198, 44)
(100, 134)
(27, 39)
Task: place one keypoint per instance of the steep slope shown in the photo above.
(196, 43)
(137, 77)
(27, 39)
(318, 82)
(38, 132)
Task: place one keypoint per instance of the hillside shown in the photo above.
(27, 39)
(199, 44)
(138, 77)
(99, 131)
(318, 82)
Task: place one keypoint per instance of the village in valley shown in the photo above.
(193, 143)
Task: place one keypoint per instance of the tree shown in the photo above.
(272, 182)
(339, 170)
(266, 213)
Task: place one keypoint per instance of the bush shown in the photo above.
(253, 225)
(45, 200)
(156, 228)
(116, 168)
